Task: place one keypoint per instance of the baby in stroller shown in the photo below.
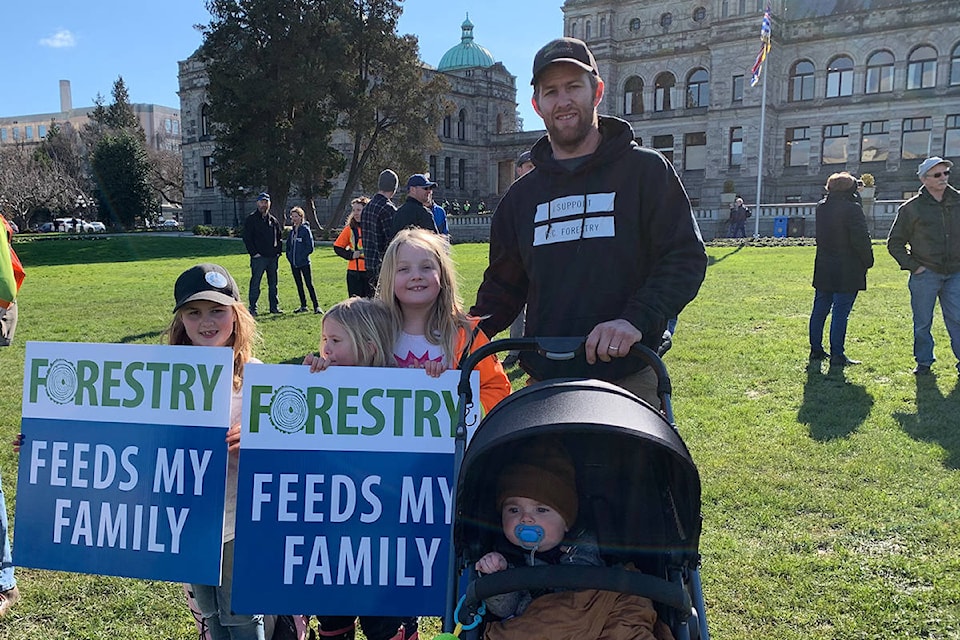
(538, 503)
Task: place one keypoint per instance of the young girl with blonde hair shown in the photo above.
(418, 282)
(359, 332)
(209, 313)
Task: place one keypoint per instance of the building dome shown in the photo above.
(466, 55)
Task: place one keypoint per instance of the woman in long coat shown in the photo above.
(840, 271)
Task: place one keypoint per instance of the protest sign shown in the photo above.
(123, 464)
(345, 490)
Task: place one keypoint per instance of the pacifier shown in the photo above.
(529, 535)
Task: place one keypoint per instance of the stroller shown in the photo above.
(639, 491)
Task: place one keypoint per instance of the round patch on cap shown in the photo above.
(215, 279)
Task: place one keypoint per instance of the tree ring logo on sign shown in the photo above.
(288, 410)
(61, 385)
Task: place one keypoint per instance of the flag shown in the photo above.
(764, 48)
(11, 272)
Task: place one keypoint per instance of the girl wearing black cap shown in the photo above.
(209, 313)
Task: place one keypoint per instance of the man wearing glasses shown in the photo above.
(929, 223)
(417, 211)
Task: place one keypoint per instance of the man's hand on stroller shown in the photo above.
(611, 339)
(491, 563)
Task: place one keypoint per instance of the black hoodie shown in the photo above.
(636, 254)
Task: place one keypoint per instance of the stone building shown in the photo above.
(860, 86)
(479, 139)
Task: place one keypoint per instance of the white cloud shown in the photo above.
(61, 39)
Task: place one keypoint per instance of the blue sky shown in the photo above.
(91, 43)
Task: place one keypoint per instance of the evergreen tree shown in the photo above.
(120, 166)
(120, 114)
(121, 171)
(284, 75)
(271, 70)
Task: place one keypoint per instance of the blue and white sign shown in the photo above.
(345, 490)
(123, 464)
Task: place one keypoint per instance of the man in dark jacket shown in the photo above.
(261, 235)
(738, 219)
(417, 211)
(598, 241)
(376, 221)
(840, 269)
(929, 223)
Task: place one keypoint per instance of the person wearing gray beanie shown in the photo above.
(376, 221)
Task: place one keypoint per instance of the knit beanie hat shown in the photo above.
(545, 473)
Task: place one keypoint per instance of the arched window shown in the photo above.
(879, 73)
(447, 126)
(462, 174)
(801, 81)
(462, 125)
(633, 96)
(724, 9)
(587, 31)
(573, 29)
(840, 77)
(499, 123)
(603, 27)
(955, 66)
(698, 89)
(663, 87)
(922, 68)
(205, 120)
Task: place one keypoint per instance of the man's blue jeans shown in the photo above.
(925, 288)
(841, 304)
(259, 266)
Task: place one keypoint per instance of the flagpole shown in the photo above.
(763, 116)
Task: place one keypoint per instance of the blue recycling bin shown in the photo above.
(780, 226)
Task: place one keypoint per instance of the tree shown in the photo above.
(271, 66)
(121, 169)
(120, 114)
(31, 180)
(166, 175)
(390, 110)
(284, 75)
(64, 144)
(120, 165)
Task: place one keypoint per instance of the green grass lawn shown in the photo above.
(831, 499)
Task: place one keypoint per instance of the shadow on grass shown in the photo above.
(935, 419)
(712, 261)
(832, 406)
(137, 337)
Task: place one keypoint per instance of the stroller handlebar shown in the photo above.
(576, 577)
(557, 348)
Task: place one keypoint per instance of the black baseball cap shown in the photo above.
(205, 282)
(564, 50)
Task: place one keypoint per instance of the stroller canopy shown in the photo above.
(638, 487)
